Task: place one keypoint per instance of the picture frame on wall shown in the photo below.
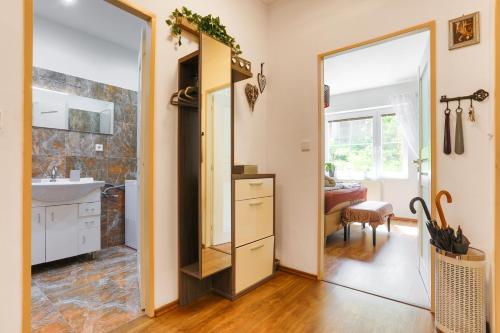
(464, 31)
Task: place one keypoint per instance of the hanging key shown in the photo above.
(472, 112)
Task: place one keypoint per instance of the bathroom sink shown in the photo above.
(62, 189)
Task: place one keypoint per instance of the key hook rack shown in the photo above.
(478, 96)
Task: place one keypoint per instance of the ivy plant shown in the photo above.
(208, 24)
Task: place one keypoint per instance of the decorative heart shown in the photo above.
(261, 79)
(252, 93)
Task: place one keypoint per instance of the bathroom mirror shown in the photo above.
(53, 109)
(216, 159)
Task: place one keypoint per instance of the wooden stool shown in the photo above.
(374, 213)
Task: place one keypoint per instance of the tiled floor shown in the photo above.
(85, 295)
(390, 269)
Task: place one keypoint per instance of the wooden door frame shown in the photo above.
(429, 26)
(147, 248)
(496, 255)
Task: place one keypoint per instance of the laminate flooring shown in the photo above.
(390, 269)
(289, 303)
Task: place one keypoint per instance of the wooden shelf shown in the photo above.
(191, 270)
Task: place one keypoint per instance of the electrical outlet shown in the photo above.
(99, 147)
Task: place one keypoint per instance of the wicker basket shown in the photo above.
(460, 292)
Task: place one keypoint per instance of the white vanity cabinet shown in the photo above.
(61, 232)
(38, 235)
(66, 229)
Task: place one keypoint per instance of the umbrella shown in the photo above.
(443, 237)
(431, 224)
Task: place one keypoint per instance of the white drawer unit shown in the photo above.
(253, 213)
(89, 209)
(253, 220)
(37, 235)
(253, 188)
(89, 240)
(254, 263)
(89, 222)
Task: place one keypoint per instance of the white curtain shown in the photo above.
(406, 110)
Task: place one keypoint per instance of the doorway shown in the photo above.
(377, 124)
(89, 71)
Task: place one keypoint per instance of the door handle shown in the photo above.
(84, 240)
(257, 247)
(52, 216)
(39, 218)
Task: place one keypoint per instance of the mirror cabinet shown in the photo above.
(226, 221)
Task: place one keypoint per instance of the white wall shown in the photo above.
(62, 49)
(11, 90)
(246, 20)
(322, 25)
(398, 192)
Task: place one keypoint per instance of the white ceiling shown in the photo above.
(379, 65)
(95, 17)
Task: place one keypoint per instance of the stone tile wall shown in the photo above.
(69, 150)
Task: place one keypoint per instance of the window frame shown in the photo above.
(376, 113)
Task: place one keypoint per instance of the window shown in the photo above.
(393, 157)
(366, 144)
(351, 147)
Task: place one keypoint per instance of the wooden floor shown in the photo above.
(289, 303)
(390, 269)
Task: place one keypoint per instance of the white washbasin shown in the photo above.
(62, 189)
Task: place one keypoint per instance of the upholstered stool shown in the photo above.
(374, 213)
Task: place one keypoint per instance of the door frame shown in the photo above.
(428, 26)
(147, 195)
(496, 240)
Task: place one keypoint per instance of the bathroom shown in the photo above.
(87, 60)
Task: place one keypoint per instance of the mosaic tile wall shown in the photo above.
(69, 150)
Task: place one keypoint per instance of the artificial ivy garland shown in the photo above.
(207, 24)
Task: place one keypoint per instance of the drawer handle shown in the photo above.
(257, 247)
(256, 183)
(256, 203)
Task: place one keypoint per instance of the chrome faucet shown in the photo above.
(53, 174)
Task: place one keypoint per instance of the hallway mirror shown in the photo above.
(60, 110)
(216, 161)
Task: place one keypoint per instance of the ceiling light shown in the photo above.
(68, 2)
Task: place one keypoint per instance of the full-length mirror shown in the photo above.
(216, 126)
(54, 109)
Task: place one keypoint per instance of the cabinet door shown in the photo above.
(37, 235)
(61, 232)
(89, 240)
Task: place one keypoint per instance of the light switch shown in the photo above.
(99, 147)
(305, 145)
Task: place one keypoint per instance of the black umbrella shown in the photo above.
(443, 237)
(431, 224)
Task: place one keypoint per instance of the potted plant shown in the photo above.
(330, 169)
(208, 24)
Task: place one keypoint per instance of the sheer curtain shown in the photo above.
(406, 110)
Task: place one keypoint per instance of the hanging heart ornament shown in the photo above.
(261, 78)
(252, 93)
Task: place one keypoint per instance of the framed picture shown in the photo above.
(464, 31)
